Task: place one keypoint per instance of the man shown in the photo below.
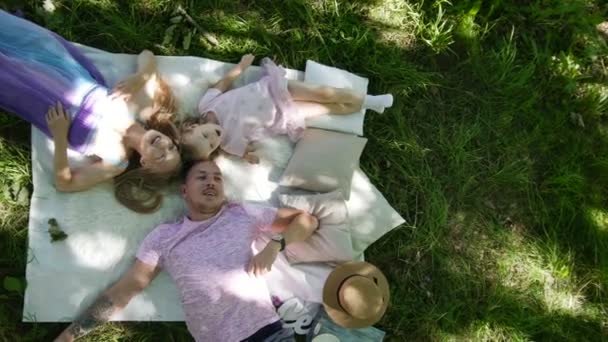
(208, 255)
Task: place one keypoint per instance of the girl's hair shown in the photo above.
(188, 154)
(139, 189)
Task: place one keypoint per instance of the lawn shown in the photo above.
(495, 152)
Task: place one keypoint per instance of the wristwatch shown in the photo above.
(280, 239)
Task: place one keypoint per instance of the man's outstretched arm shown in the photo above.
(112, 300)
(295, 225)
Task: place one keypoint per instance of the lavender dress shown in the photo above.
(39, 68)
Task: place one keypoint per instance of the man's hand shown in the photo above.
(58, 122)
(251, 158)
(246, 61)
(262, 262)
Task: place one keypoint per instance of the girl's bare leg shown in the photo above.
(345, 98)
(301, 91)
(314, 109)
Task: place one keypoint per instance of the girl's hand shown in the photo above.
(58, 121)
(246, 61)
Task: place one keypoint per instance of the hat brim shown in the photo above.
(335, 280)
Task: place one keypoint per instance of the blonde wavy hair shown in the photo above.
(140, 189)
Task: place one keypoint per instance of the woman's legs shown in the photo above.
(27, 93)
(38, 69)
(25, 41)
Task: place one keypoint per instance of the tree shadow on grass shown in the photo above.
(471, 129)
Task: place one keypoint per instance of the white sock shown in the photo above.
(377, 103)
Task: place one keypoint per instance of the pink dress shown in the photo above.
(255, 111)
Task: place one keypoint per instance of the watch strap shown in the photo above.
(280, 239)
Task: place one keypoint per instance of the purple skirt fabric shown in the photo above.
(38, 68)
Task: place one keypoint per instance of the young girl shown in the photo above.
(46, 81)
(274, 105)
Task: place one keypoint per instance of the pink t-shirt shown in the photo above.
(208, 261)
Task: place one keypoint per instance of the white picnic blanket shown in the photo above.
(66, 276)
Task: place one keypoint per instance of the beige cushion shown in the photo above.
(331, 242)
(324, 161)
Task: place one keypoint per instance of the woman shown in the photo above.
(46, 81)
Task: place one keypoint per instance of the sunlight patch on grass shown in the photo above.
(486, 331)
(477, 153)
(595, 96)
(599, 218)
(566, 65)
(14, 193)
(396, 21)
(13, 216)
(543, 273)
(102, 4)
(436, 31)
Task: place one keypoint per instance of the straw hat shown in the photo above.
(356, 294)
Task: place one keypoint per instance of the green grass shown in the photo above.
(496, 150)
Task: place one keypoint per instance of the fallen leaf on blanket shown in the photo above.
(56, 233)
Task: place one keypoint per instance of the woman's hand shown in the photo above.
(128, 87)
(246, 61)
(58, 122)
(262, 262)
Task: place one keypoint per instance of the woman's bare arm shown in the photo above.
(130, 86)
(66, 178)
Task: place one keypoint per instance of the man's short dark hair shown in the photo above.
(188, 165)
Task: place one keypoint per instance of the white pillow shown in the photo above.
(370, 214)
(321, 74)
(331, 242)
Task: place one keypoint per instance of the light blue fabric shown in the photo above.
(323, 325)
(28, 42)
(38, 69)
(41, 49)
(283, 335)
